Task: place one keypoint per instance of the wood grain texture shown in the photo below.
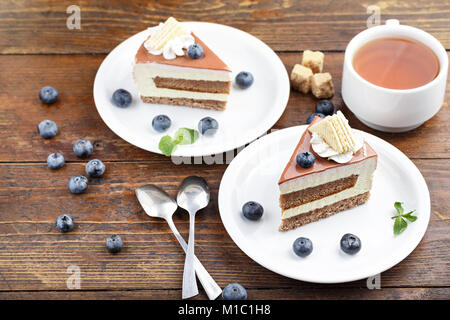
(299, 292)
(35, 256)
(287, 25)
(77, 117)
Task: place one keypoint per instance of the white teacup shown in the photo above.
(393, 110)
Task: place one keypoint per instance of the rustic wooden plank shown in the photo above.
(299, 293)
(40, 27)
(34, 256)
(77, 117)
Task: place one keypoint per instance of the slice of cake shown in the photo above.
(166, 74)
(340, 178)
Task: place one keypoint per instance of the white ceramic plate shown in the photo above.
(254, 174)
(250, 112)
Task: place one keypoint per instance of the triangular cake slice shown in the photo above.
(327, 187)
(165, 74)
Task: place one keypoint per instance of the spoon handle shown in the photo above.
(212, 289)
(189, 282)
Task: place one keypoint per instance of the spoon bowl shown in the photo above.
(193, 194)
(156, 202)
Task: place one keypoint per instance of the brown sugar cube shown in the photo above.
(313, 60)
(301, 78)
(322, 85)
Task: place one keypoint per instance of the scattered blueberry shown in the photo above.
(325, 107)
(195, 51)
(234, 291)
(244, 79)
(95, 168)
(350, 243)
(208, 126)
(114, 244)
(55, 161)
(48, 95)
(252, 210)
(161, 123)
(47, 129)
(312, 116)
(305, 159)
(83, 148)
(121, 98)
(302, 247)
(64, 223)
(77, 184)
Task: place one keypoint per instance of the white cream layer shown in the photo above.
(325, 151)
(152, 69)
(145, 72)
(363, 169)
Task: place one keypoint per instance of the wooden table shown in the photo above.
(37, 49)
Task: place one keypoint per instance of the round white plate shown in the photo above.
(254, 174)
(249, 114)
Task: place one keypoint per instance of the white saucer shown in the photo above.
(250, 113)
(254, 174)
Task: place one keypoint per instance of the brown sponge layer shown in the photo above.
(194, 103)
(321, 213)
(294, 199)
(193, 85)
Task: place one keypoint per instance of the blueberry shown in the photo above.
(161, 123)
(244, 79)
(64, 223)
(121, 98)
(325, 107)
(252, 210)
(350, 243)
(55, 161)
(302, 247)
(234, 291)
(95, 168)
(47, 129)
(208, 126)
(77, 184)
(195, 51)
(305, 159)
(83, 148)
(48, 95)
(114, 244)
(312, 116)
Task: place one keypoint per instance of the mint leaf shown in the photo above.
(167, 145)
(409, 216)
(185, 136)
(399, 225)
(398, 207)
